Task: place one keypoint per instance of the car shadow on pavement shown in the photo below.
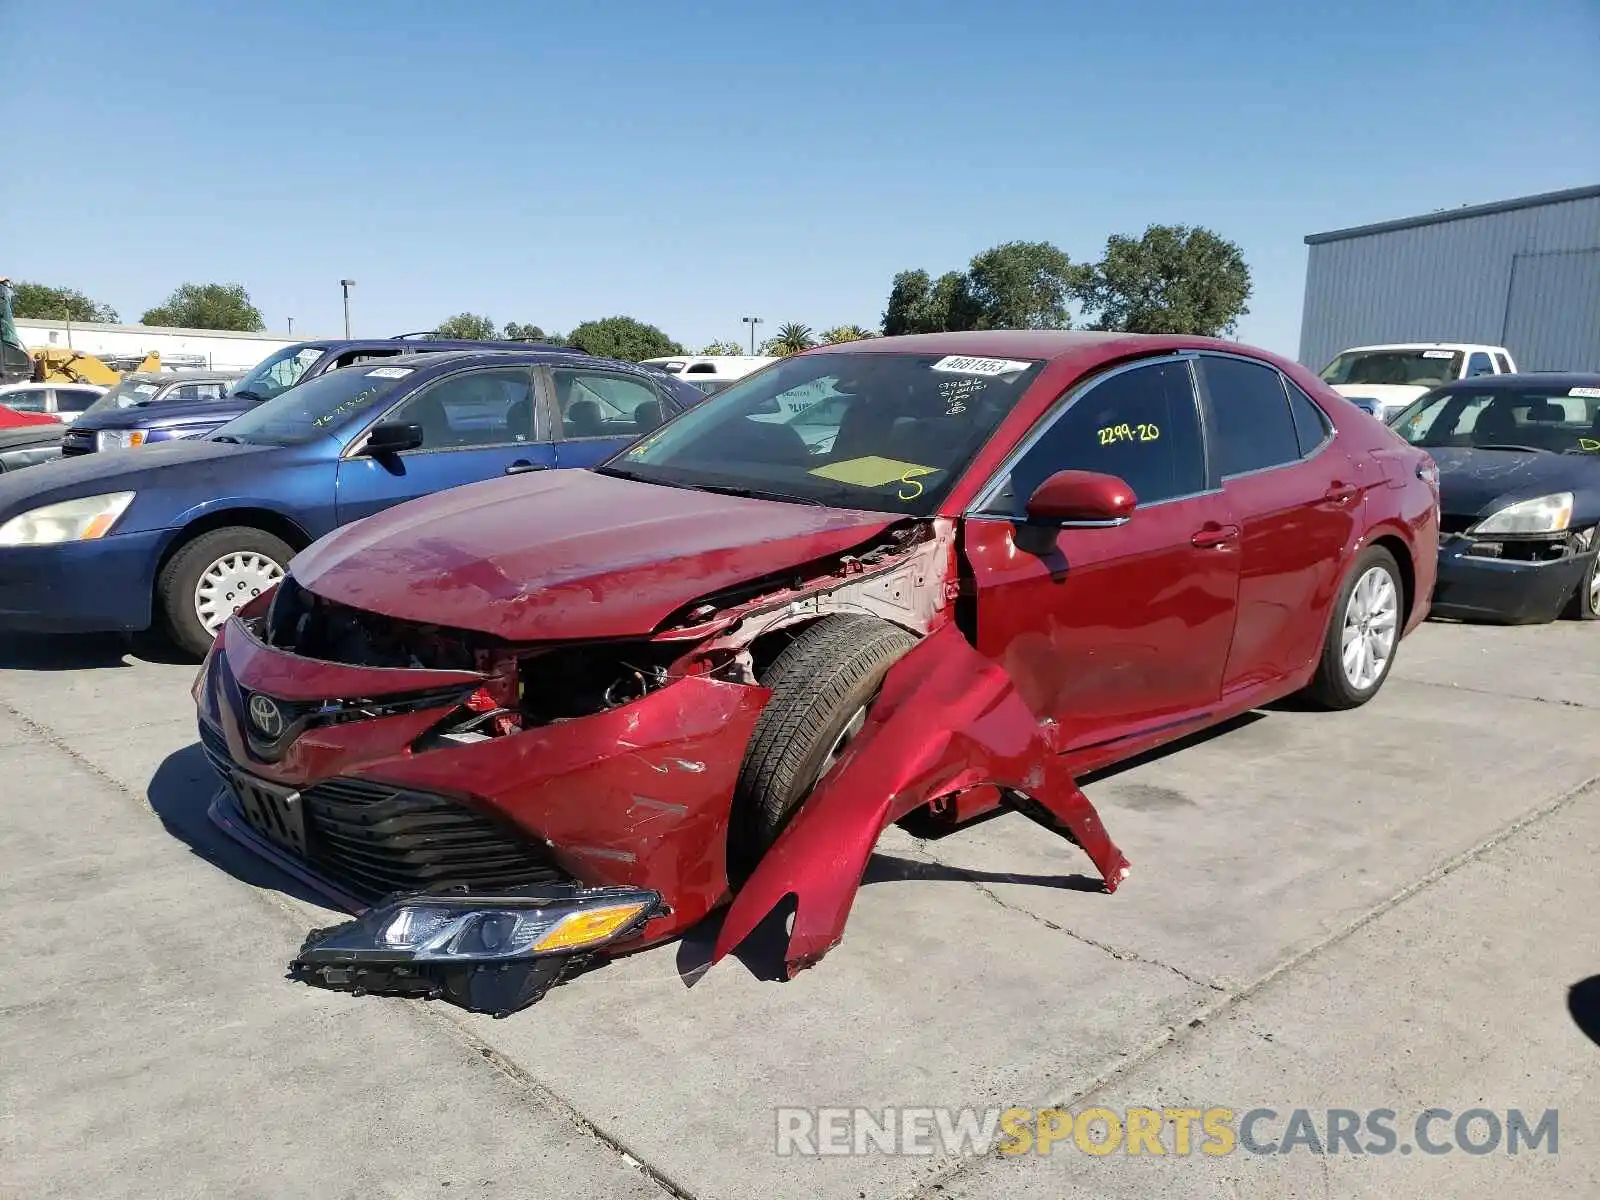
(180, 793)
(1583, 1003)
(80, 652)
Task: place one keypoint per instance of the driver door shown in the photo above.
(1111, 631)
(476, 425)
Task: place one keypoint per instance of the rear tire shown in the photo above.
(1585, 603)
(236, 564)
(821, 685)
(1363, 633)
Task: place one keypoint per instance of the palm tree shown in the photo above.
(845, 333)
(792, 337)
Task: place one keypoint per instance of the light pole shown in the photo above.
(347, 284)
(291, 324)
(752, 322)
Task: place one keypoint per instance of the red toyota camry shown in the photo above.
(525, 723)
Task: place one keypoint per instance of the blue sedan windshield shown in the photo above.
(316, 408)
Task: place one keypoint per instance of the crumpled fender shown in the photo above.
(947, 719)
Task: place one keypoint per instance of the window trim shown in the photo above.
(1329, 429)
(1283, 380)
(547, 379)
(979, 506)
(358, 443)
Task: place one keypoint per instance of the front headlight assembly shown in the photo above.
(493, 953)
(1541, 514)
(119, 439)
(81, 520)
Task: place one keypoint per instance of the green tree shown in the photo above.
(723, 348)
(208, 306)
(45, 303)
(524, 333)
(467, 327)
(791, 338)
(844, 333)
(622, 337)
(1172, 279)
(1024, 285)
(918, 304)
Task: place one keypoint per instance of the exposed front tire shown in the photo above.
(212, 577)
(1363, 633)
(821, 685)
(1585, 603)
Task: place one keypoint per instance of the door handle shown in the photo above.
(522, 466)
(1215, 536)
(1339, 493)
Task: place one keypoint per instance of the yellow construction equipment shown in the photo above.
(56, 364)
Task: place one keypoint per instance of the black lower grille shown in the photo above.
(377, 839)
(77, 441)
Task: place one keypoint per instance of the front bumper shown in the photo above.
(1504, 590)
(80, 587)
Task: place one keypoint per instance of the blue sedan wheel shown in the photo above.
(213, 576)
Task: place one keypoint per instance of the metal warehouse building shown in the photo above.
(1524, 274)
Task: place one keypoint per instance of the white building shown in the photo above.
(214, 349)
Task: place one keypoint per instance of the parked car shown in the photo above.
(137, 424)
(1382, 380)
(591, 701)
(181, 533)
(151, 406)
(45, 403)
(710, 372)
(1519, 481)
(26, 445)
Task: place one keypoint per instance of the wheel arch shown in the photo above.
(1404, 560)
(265, 519)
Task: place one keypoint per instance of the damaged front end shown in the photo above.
(501, 814)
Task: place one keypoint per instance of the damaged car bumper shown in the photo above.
(1517, 581)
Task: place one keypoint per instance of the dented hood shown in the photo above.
(568, 554)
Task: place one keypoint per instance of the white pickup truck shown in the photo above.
(1384, 379)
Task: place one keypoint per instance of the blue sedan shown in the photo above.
(181, 534)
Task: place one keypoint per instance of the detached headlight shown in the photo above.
(118, 439)
(81, 520)
(1542, 514)
(489, 953)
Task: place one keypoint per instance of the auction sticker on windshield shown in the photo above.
(872, 471)
(961, 364)
(1438, 354)
(390, 373)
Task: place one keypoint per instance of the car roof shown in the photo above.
(183, 376)
(440, 359)
(1087, 346)
(1526, 379)
(1461, 346)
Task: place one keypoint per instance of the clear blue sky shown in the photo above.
(691, 163)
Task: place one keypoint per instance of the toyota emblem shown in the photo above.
(266, 716)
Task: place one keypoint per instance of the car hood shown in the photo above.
(570, 554)
(1390, 395)
(165, 465)
(1472, 482)
(160, 416)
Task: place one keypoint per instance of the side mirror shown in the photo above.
(392, 437)
(1081, 498)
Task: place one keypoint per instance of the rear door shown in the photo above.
(1112, 631)
(596, 412)
(476, 425)
(1296, 499)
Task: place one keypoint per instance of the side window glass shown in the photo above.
(1254, 429)
(1503, 364)
(1479, 364)
(1310, 422)
(1141, 426)
(31, 400)
(353, 357)
(183, 393)
(74, 400)
(599, 404)
(475, 408)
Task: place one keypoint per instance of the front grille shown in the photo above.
(77, 441)
(377, 839)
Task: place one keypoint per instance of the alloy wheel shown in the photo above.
(230, 583)
(1371, 627)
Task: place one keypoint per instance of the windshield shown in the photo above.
(887, 432)
(278, 372)
(1550, 420)
(1394, 368)
(125, 395)
(316, 409)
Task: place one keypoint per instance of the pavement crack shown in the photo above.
(1557, 701)
(1103, 947)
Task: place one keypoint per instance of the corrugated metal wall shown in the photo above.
(1452, 280)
